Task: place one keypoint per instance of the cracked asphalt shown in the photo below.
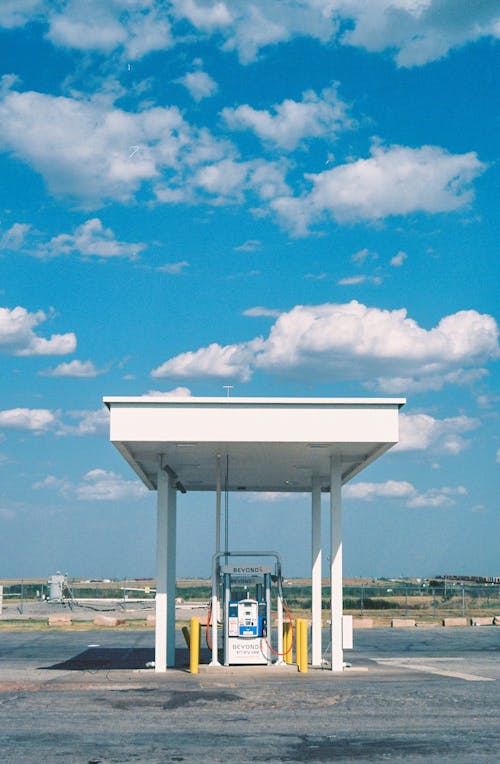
(419, 695)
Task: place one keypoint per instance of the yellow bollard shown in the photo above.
(303, 647)
(301, 644)
(287, 642)
(194, 646)
(185, 632)
(298, 636)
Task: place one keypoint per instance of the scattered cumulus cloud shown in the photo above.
(423, 432)
(247, 27)
(360, 279)
(316, 276)
(350, 341)
(15, 236)
(404, 492)
(418, 32)
(86, 423)
(260, 312)
(250, 245)
(363, 255)
(269, 497)
(394, 180)
(136, 27)
(429, 382)
(214, 361)
(91, 239)
(33, 420)
(17, 335)
(95, 485)
(415, 32)
(398, 259)
(89, 149)
(200, 84)
(78, 369)
(290, 122)
(176, 392)
(174, 268)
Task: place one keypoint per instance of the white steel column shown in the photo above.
(165, 571)
(316, 571)
(336, 562)
(217, 503)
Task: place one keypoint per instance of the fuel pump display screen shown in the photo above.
(248, 618)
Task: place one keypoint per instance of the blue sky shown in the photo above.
(290, 197)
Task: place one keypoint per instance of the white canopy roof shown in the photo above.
(268, 444)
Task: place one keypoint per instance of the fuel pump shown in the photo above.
(245, 592)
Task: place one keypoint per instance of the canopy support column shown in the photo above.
(336, 562)
(165, 570)
(316, 571)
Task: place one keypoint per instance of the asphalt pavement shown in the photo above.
(411, 695)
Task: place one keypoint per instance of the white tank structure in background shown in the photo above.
(57, 584)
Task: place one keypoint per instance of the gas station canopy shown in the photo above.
(250, 444)
(272, 444)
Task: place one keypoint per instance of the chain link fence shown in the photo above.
(436, 598)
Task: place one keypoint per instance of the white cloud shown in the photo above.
(424, 432)
(404, 491)
(368, 491)
(414, 31)
(231, 362)
(437, 497)
(18, 338)
(352, 342)
(91, 239)
(362, 255)
(204, 16)
(16, 13)
(199, 84)
(95, 485)
(228, 179)
(398, 259)
(79, 369)
(259, 312)
(34, 420)
(290, 122)
(270, 497)
(498, 456)
(250, 245)
(91, 150)
(90, 423)
(361, 279)
(173, 268)
(316, 276)
(176, 392)
(15, 237)
(138, 27)
(435, 382)
(247, 26)
(418, 30)
(392, 181)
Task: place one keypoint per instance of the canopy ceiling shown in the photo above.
(264, 444)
